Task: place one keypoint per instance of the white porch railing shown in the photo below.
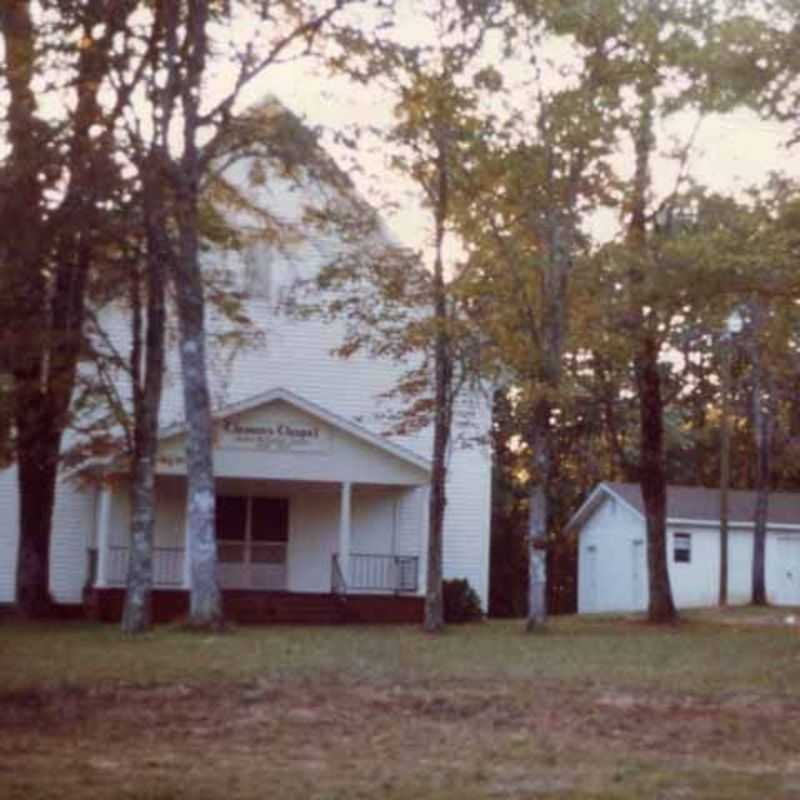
(266, 569)
(262, 565)
(252, 565)
(372, 572)
(167, 566)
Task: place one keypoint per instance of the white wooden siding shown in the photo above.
(73, 520)
(411, 520)
(373, 520)
(9, 527)
(695, 584)
(313, 539)
(611, 531)
(740, 566)
(467, 517)
(296, 355)
(607, 575)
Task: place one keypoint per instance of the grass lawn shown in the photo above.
(594, 708)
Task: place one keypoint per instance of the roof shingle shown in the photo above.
(694, 502)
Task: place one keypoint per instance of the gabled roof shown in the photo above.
(280, 394)
(696, 504)
(314, 410)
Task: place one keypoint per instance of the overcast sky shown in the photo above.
(731, 152)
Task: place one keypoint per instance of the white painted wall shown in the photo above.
(695, 584)
(606, 566)
(612, 569)
(313, 539)
(9, 525)
(740, 566)
(73, 520)
(297, 355)
(468, 516)
(374, 519)
(698, 586)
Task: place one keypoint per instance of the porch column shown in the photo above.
(103, 525)
(345, 532)
(186, 583)
(423, 498)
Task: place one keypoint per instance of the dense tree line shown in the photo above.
(516, 122)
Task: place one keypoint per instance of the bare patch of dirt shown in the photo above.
(328, 741)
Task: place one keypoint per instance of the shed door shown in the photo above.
(788, 589)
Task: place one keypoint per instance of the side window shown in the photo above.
(682, 548)
(258, 271)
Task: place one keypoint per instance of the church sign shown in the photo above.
(282, 436)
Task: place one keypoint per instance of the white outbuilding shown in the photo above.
(612, 553)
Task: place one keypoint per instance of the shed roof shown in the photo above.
(699, 503)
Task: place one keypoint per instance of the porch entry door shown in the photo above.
(252, 538)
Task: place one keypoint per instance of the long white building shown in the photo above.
(612, 548)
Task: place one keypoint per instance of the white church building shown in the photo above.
(612, 549)
(321, 515)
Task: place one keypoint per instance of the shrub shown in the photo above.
(461, 602)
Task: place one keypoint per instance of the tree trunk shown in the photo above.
(25, 291)
(206, 599)
(38, 468)
(187, 63)
(653, 481)
(443, 379)
(725, 467)
(544, 465)
(537, 559)
(434, 603)
(648, 379)
(44, 376)
(136, 616)
(46, 264)
(539, 514)
(761, 433)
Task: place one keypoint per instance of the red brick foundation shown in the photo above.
(244, 607)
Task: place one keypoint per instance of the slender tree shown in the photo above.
(431, 128)
(57, 194)
(185, 36)
(147, 349)
(409, 306)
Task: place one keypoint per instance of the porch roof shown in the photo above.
(279, 435)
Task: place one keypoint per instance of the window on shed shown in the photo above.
(682, 548)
